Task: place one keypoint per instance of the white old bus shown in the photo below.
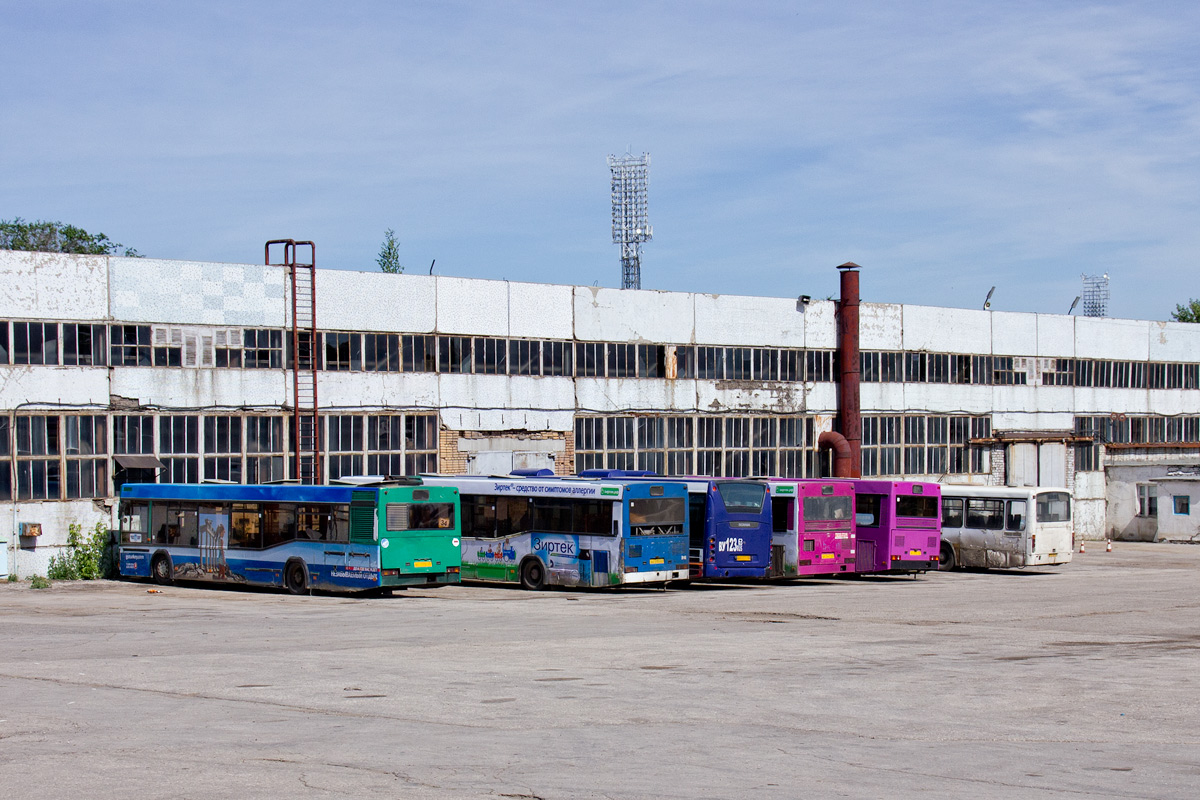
(1005, 526)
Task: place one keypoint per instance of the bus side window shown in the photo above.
(1016, 516)
(866, 510)
(952, 512)
(782, 514)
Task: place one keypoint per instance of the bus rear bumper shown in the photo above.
(659, 576)
(420, 579)
(913, 565)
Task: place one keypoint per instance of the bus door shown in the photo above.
(1015, 533)
(697, 522)
(983, 540)
(785, 527)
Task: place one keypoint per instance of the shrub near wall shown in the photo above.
(85, 558)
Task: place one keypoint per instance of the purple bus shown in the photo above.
(729, 523)
(898, 525)
(812, 527)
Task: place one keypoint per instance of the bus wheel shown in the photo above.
(160, 570)
(295, 577)
(533, 575)
(947, 560)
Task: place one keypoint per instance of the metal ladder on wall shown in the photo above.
(306, 439)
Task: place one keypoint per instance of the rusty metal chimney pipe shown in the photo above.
(850, 366)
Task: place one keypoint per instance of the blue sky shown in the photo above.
(945, 146)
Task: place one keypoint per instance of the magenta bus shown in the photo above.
(812, 527)
(898, 525)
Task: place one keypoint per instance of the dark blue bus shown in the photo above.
(729, 534)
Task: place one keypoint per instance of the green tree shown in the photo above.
(389, 253)
(55, 237)
(1188, 313)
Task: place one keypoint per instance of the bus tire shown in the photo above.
(947, 561)
(160, 570)
(295, 577)
(533, 575)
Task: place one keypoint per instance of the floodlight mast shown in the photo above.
(630, 205)
(1095, 295)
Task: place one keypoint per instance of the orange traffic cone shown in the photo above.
(1083, 547)
(1108, 547)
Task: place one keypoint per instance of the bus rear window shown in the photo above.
(1054, 507)
(743, 497)
(820, 509)
(917, 506)
(420, 516)
(656, 511)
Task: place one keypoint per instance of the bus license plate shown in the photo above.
(914, 552)
(743, 558)
(828, 555)
(425, 563)
(656, 561)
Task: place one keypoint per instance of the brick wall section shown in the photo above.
(997, 464)
(452, 461)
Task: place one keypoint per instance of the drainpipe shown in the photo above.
(849, 405)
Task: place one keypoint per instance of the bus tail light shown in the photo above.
(1033, 542)
(631, 569)
(387, 573)
(452, 569)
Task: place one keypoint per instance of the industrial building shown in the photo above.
(133, 369)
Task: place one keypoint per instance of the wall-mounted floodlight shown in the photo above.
(802, 302)
(987, 301)
(1074, 303)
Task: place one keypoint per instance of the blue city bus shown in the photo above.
(729, 533)
(331, 538)
(544, 531)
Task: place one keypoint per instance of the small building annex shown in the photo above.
(129, 369)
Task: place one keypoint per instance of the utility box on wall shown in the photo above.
(30, 531)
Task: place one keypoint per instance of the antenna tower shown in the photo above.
(1095, 295)
(630, 226)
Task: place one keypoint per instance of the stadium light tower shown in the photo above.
(1095, 295)
(630, 226)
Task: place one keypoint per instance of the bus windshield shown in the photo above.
(1054, 507)
(916, 506)
(822, 509)
(743, 498)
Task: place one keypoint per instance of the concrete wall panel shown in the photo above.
(1117, 339)
(478, 308)
(1055, 336)
(53, 286)
(538, 311)
(947, 330)
(1014, 334)
(752, 321)
(820, 325)
(881, 326)
(65, 386)
(196, 293)
(622, 315)
(376, 301)
(1174, 341)
(201, 388)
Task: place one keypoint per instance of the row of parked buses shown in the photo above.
(601, 528)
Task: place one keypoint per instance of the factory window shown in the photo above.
(1059, 372)
(1183, 504)
(791, 365)
(5, 461)
(344, 445)
(791, 447)
(420, 443)
(1147, 494)
(650, 442)
(35, 343)
(343, 351)
(651, 361)
(179, 446)
(3, 341)
(685, 361)
(454, 354)
(84, 345)
(764, 446)
(869, 367)
(622, 361)
(738, 364)
(619, 442)
(264, 449)
(914, 445)
(223, 448)
(766, 364)
(490, 356)
(381, 352)
(419, 353)
(891, 367)
(938, 435)
(678, 457)
(589, 443)
(914, 368)
(263, 349)
(709, 435)
(818, 366)
(524, 357)
(168, 347)
(133, 435)
(385, 444)
(227, 347)
(556, 358)
(589, 359)
(710, 363)
(84, 438)
(38, 470)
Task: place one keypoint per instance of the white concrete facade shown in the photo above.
(700, 380)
